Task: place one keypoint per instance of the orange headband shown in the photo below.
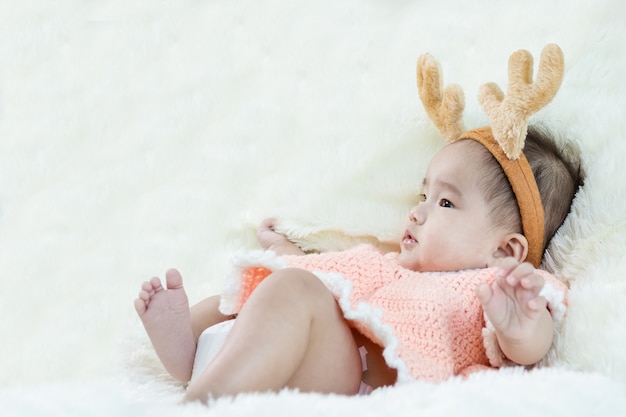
(508, 117)
(522, 180)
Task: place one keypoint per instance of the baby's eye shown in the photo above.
(446, 203)
(421, 198)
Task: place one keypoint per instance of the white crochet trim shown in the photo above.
(231, 291)
(556, 305)
(370, 317)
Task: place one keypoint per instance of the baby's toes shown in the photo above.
(141, 304)
(155, 284)
(147, 287)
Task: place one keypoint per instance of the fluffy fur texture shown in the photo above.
(509, 114)
(140, 136)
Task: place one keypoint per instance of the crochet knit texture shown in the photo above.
(430, 323)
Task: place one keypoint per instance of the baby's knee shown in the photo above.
(297, 282)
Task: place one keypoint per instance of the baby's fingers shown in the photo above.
(537, 304)
(484, 293)
(515, 273)
(506, 266)
(267, 224)
(532, 282)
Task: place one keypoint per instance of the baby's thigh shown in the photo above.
(332, 362)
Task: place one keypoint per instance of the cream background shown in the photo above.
(137, 136)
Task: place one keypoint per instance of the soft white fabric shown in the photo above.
(138, 136)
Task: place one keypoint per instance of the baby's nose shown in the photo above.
(416, 214)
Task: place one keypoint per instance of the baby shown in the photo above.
(349, 322)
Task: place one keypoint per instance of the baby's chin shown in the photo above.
(408, 260)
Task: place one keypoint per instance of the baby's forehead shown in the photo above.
(464, 146)
(461, 156)
(462, 166)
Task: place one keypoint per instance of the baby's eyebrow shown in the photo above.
(444, 184)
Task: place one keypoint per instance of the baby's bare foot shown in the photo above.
(165, 316)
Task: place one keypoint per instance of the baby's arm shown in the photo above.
(523, 324)
(272, 240)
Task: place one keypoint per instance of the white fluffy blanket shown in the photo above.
(138, 136)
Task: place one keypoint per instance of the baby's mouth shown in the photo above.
(409, 239)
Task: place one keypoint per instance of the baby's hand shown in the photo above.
(512, 302)
(266, 234)
(278, 242)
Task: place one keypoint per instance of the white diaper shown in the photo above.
(209, 343)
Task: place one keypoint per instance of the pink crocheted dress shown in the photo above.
(430, 324)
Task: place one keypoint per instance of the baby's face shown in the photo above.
(450, 229)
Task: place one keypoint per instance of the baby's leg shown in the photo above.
(165, 316)
(290, 333)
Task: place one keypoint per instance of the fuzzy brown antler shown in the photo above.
(508, 115)
(444, 107)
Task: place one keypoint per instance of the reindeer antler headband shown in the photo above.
(508, 119)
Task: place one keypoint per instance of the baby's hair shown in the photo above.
(558, 171)
(557, 168)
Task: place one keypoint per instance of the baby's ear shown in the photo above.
(513, 244)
